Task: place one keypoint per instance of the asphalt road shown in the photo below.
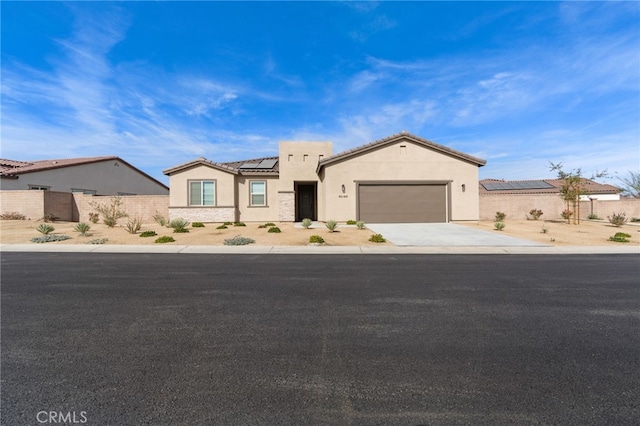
(133, 339)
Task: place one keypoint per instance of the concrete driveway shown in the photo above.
(445, 234)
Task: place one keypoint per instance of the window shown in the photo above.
(84, 191)
(124, 194)
(258, 192)
(202, 193)
(39, 187)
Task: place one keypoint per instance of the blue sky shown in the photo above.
(516, 83)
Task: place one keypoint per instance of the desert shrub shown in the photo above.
(306, 223)
(544, 230)
(617, 219)
(500, 217)
(593, 216)
(566, 214)
(94, 217)
(45, 228)
(228, 223)
(160, 220)
(331, 225)
(262, 226)
(635, 219)
(242, 224)
(222, 227)
(268, 224)
(98, 241)
(110, 212)
(50, 238)
(82, 228)
(499, 226)
(179, 225)
(351, 222)
(274, 230)
(535, 213)
(360, 225)
(377, 238)
(12, 216)
(620, 237)
(238, 241)
(148, 234)
(50, 218)
(164, 239)
(197, 225)
(316, 239)
(134, 225)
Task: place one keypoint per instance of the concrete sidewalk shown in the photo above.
(253, 249)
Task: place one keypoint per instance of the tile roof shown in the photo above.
(234, 167)
(590, 187)
(398, 137)
(13, 167)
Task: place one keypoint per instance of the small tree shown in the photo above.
(110, 212)
(573, 187)
(631, 184)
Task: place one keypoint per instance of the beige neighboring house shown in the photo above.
(94, 175)
(593, 190)
(401, 178)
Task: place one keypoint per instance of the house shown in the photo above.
(592, 190)
(94, 175)
(401, 178)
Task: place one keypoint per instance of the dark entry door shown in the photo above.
(306, 202)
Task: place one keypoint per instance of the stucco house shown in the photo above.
(94, 175)
(592, 190)
(401, 178)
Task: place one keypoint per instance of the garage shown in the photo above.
(391, 202)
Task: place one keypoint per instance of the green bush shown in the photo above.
(50, 218)
(535, 213)
(377, 238)
(222, 227)
(620, 237)
(268, 224)
(500, 216)
(160, 220)
(306, 223)
(262, 226)
(50, 238)
(351, 222)
(148, 234)
(617, 219)
(12, 216)
(98, 241)
(82, 228)
(316, 239)
(499, 226)
(45, 228)
(274, 230)
(197, 225)
(179, 225)
(94, 217)
(566, 214)
(331, 225)
(134, 225)
(635, 219)
(110, 222)
(238, 241)
(165, 239)
(593, 216)
(239, 224)
(228, 223)
(360, 225)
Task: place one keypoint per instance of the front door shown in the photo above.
(305, 202)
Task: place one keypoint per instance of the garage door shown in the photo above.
(402, 203)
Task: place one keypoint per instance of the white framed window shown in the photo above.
(202, 193)
(84, 191)
(39, 187)
(258, 193)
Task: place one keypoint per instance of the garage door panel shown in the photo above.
(402, 203)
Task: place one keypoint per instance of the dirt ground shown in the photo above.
(21, 232)
(588, 233)
(559, 233)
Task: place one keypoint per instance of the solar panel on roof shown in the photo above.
(267, 164)
(249, 166)
(515, 186)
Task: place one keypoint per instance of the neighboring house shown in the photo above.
(402, 178)
(95, 175)
(593, 190)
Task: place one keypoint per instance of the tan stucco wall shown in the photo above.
(103, 177)
(179, 183)
(391, 162)
(136, 206)
(248, 213)
(29, 203)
